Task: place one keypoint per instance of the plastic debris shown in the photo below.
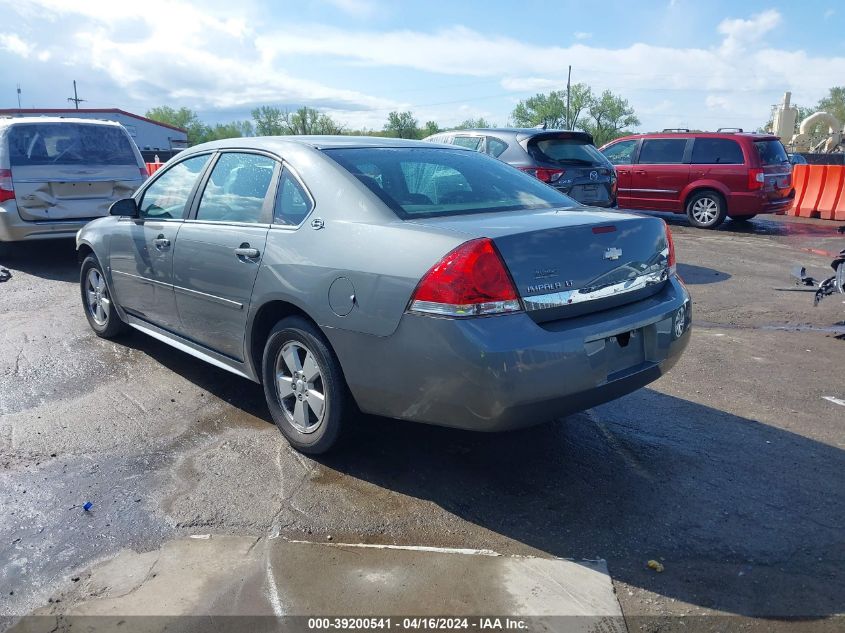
(655, 565)
(5, 275)
(87, 506)
(204, 537)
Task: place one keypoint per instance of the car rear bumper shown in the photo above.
(756, 203)
(506, 372)
(14, 229)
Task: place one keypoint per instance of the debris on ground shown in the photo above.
(655, 565)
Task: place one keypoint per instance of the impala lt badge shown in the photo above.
(613, 253)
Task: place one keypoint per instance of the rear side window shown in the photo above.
(716, 151)
(662, 151)
(166, 197)
(237, 189)
(470, 142)
(495, 146)
(420, 182)
(771, 152)
(292, 203)
(565, 151)
(69, 144)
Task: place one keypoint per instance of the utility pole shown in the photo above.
(75, 98)
(19, 96)
(568, 82)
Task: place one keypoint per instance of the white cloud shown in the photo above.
(716, 102)
(743, 34)
(14, 44)
(829, 14)
(581, 35)
(357, 8)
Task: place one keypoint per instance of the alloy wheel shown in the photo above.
(300, 385)
(705, 210)
(97, 294)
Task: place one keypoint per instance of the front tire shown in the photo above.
(304, 386)
(97, 301)
(706, 210)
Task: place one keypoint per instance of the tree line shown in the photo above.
(606, 116)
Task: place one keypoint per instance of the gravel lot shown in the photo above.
(729, 470)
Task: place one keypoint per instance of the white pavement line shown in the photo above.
(273, 589)
(413, 548)
(834, 400)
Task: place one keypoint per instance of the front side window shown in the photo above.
(166, 197)
(716, 151)
(237, 189)
(662, 151)
(421, 182)
(292, 203)
(69, 144)
(621, 153)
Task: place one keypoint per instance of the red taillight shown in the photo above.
(469, 281)
(756, 179)
(7, 189)
(670, 245)
(544, 174)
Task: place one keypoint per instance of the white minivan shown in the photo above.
(57, 174)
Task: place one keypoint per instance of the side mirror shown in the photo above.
(127, 208)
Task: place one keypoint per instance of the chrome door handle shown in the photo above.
(161, 242)
(249, 253)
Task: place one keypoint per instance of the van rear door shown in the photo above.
(69, 170)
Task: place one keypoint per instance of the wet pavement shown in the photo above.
(728, 470)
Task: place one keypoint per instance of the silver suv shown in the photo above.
(56, 174)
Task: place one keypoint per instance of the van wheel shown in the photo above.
(97, 301)
(706, 210)
(304, 386)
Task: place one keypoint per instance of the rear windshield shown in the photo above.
(566, 151)
(771, 152)
(69, 144)
(422, 182)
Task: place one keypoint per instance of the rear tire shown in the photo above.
(706, 209)
(304, 386)
(100, 309)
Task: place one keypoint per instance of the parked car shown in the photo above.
(56, 174)
(568, 161)
(416, 281)
(708, 176)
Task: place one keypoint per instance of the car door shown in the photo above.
(220, 247)
(660, 174)
(622, 155)
(141, 253)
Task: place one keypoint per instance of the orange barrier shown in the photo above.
(153, 168)
(819, 192)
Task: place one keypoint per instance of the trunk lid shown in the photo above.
(60, 192)
(569, 263)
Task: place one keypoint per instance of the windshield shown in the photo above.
(69, 144)
(566, 150)
(422, 182)
(771, 152)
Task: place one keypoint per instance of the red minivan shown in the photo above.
(708, 176)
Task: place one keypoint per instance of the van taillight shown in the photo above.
(756, 179)
(7, 189)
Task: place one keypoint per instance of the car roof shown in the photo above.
(752, 136)
(511, 131)
(15, 120)
(316, 142)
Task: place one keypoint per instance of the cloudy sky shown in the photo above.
(680, 63)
